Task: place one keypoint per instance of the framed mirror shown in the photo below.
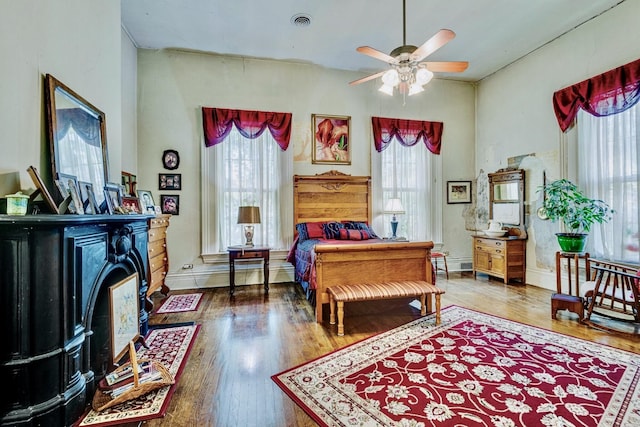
(77, 136)
(506, 197)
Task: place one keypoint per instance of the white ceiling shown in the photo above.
(490, 34)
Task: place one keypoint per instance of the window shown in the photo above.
(411, 174)
(246, 172)
(608, 159)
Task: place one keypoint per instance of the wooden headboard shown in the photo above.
(331, 196)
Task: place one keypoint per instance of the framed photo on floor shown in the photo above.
(124, 315)
(458, 192)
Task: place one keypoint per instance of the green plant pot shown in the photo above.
(572, 242)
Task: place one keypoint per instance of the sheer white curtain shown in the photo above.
(246, 172)
(608, 159)
(408, 173)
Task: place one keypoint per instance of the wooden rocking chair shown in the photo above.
(613, 292)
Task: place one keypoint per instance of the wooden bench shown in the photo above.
(378, 291)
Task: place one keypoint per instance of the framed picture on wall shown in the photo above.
(330, 136)
(169, 181)
(458, 192)
(170, 204)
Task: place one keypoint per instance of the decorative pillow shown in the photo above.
(302, 232)
(332, 230)
(355, 225)
(346, 234)
(310, 230)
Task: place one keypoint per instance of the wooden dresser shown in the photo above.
(158, 256)
(501, 257)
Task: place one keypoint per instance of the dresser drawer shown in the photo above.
(490, 243)
(158, 222)
(157, 262)
(158, 276)
(156, 234)
(157, 247)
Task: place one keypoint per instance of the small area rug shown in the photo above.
(473, 369)
(170, 346)
(179, 303)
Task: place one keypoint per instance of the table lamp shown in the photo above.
(248, 215)
(394, 207)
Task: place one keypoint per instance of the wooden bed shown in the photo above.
(334, 196)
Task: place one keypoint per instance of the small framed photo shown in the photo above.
(131, 205)
(170, 181)
(146, 202)
(170, 159)
(458, 192)
(88, 198)
(170, 204)
(125, 319)
(113, 198)
(67, 186)
(330, 139)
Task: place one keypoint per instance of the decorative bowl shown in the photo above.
(495, 233)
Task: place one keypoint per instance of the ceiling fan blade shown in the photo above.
(441, 38)
(366, 79)
(374, 53)
(446, 67)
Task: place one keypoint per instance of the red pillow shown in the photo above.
(347, 234)
(315, 230)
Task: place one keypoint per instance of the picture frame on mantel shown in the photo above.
(458, 192)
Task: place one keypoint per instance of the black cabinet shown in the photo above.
(55, 271)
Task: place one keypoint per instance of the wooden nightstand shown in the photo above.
(248, 253)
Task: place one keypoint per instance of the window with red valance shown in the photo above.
(603, 95)
(217, 123)
(407, 132)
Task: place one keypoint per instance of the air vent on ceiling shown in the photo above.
(301, 20)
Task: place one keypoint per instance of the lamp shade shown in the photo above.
(248, 215)
(394, 206)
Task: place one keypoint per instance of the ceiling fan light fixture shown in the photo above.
(385, 88)
(391, 78)
(415, 88)
(423, 76)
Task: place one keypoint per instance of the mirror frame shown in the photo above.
(53, 86)
(507, 176)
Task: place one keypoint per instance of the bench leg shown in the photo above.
(332, 310)
(438, 309)
(423, 307)
(340, 318)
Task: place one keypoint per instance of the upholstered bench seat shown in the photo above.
(376, 291)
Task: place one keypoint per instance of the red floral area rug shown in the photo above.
(179, 303)
(170, 346)
(472, 370)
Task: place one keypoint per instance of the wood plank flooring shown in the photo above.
(246, 339)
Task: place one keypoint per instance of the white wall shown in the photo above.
(79, 43)
(129, 112)
(515, 115)
(174, 85)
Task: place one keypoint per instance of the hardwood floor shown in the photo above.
(246, 339)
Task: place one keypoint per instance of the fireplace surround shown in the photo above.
(55, 273)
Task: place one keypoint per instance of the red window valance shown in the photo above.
(217, 123)
(408, 133)
(603, 95)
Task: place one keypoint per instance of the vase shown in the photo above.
(572, 242)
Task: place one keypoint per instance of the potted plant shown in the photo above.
(564, 202)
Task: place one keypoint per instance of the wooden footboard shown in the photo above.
(369, 262)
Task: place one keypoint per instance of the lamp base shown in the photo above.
(248, 235)
(394, 228)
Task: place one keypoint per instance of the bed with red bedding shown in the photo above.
(334, 243)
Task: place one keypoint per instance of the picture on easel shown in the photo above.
(42, 190)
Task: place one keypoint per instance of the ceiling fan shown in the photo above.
(407, 72)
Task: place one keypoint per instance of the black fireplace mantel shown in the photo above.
(55, 271)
